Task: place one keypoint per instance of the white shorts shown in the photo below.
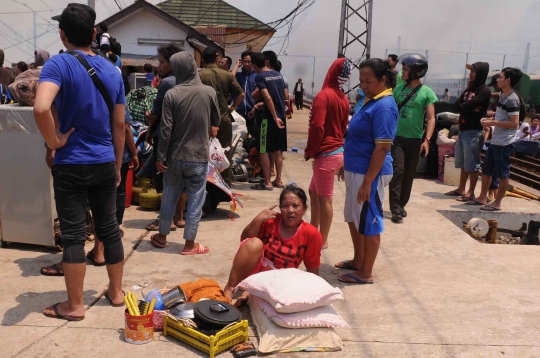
(368, 216)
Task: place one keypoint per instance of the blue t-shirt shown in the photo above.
(247, 82)
(273, 82)
(119, 62)
(376, 122)
(81, 106)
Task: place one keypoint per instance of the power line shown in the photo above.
(18, 2)
(28, 12)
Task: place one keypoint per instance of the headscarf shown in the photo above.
(42, 56)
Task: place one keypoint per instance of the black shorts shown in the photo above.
(270, 137)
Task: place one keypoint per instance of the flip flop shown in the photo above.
(58, 315)
(115, 304)
(199, 251)
(181, 226)
(474, 202)
(155, 242)
(453, 193)
(56, 268)
(345, 265)
(154, 226)
(276, 185)
(90, 257)
(261, 186)
(489, 208)
(356, 280)
(464, 198)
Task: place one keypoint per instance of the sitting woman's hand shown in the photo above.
(268, 214)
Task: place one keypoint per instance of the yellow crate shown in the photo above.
(211, 345)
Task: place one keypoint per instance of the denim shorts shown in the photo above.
(497, 161)
(468, 147)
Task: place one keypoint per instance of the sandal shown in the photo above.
(345, 265)
(58, 315)
(154, 226)
(115, 304)
(453, 193)
(261, 186)
(474, 202)
(355, 280)
(464, 198)
(489, 208)
(55, 267)
(198, 251)
(90, 257)
(156, 243)
(276, 185)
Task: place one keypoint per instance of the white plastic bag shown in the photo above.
(216, 155)
(239, 126)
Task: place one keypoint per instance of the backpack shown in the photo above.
(5, 96)
(23, 89)
(116, 48)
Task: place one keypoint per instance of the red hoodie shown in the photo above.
(329, 115)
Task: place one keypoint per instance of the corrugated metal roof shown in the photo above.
(129, 59)
(211, 12)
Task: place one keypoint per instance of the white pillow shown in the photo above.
(325, 316)
(273, 338)
(291, 290)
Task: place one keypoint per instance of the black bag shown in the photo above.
(116, 48)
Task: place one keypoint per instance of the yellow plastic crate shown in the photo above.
(211, 345)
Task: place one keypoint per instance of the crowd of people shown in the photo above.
(83, 118)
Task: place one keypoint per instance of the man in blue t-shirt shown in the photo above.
(89, 142)
(246, 79)
(273, 134)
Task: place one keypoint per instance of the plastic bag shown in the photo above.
(216, 155)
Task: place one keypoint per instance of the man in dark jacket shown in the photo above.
(472, 106)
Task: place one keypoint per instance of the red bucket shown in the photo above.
(139, 329)
(129, 187)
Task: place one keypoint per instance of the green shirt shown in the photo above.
(399, 78)
(225, 84)
(411, 117)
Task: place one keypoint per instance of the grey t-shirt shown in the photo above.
(508, 105)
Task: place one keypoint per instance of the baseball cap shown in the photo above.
(82, 6)
(210, 54)
(470, 67)
(494, 79)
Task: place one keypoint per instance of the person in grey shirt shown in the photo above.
(190, 110)
(505, 123)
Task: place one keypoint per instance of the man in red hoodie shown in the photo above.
(328, 122)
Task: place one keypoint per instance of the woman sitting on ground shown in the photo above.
(277, 240)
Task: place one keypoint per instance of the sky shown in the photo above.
(486, 29)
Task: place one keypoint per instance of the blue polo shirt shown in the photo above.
(375, 122)
(247, 82)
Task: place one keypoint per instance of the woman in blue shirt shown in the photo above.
(368, 169)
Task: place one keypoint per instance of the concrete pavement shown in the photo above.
(437, 292)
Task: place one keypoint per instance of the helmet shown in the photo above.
(417, 63)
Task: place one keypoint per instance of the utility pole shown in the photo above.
(355, 33)
(504, 60)
(92, 4)
(35, 31)
(526, 62)
(398, 45)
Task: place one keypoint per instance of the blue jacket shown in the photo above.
(247, 82)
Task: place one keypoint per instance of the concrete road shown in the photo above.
(437, 292)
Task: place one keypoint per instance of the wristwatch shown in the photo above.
(427, 139)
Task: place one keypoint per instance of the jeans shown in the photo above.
(121, 194)
(405, 155)
(182, 175)
(468, 147)
(298, 100)
(74, 186)
(158, 177)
